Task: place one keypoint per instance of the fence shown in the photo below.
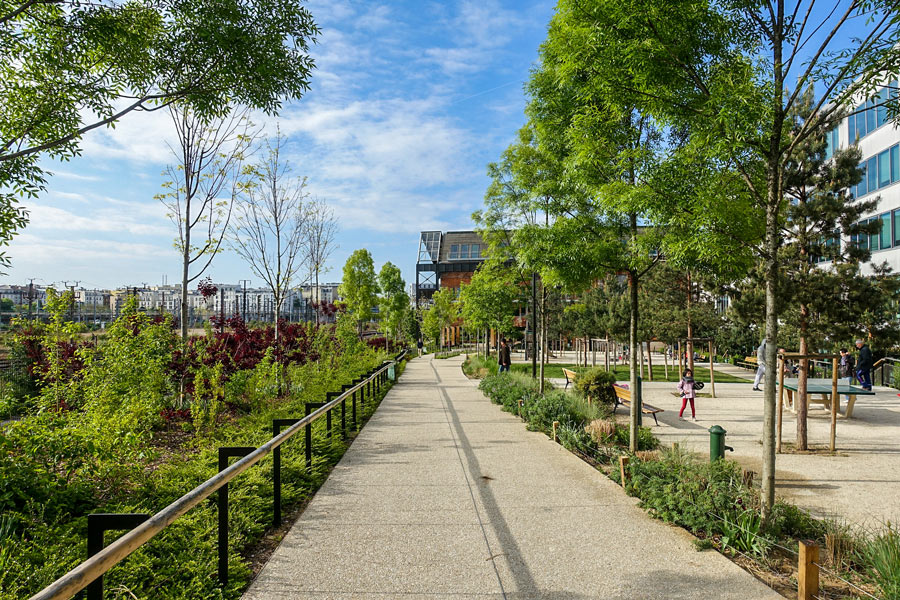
(144, 527)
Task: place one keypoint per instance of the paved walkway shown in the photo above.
(443, 495)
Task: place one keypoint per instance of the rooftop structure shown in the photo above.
(446, 260)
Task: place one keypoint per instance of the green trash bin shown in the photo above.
(717, 445)
(392, 375)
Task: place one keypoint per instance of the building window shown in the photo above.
(464, 251)
(872, 174)
(475, 251)
(454, 251)
(861, 189)
(832, 142)
(886, 234)
(884, 168)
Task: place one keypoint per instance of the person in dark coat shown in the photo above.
(505, 359)
(864, 365)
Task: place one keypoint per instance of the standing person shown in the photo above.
(687, 388)
(419, 345)
(760, 365)
(864, 365)
(505, 360)
(846, 366)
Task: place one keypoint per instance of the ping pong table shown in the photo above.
(822, 389)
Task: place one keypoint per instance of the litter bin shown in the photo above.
(392, 375)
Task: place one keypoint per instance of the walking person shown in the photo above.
(687, 386)
(846, 366)
(760, 365)
(505, 360)
(864, 365)
(420, 345)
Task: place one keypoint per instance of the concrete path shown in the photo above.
(443, 495)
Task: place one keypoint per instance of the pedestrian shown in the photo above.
(687, 386)
(846, 366)
(760, 365)
(420, 345)
(504, 359)
(864, 365)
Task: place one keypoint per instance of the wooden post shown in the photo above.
(835, 400)
(808, 571)
(680, 359)
(555, 425)
(623, 469)
(649, 363)
(747, 477)
(780, 401)
(712, 374)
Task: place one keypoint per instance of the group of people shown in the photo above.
(859, 371)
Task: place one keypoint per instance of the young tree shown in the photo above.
(269, 227)
(443, 312)
(201, 188)
(359, 287)
(321, 230)
(394, 300)
(488, 301)
(69, 67)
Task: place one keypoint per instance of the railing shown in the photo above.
(90, 572)
(885, 364)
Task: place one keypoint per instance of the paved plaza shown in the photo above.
(443, 495)
(858, 484)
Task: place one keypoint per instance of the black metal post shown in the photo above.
(224, 454)
(277, 424)
(344, 388)
(329, 396)
(97, 525)
(310, 406)
(534, 325)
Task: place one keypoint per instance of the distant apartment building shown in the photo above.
(446, 260)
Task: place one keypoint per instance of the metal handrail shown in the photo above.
(81, 576)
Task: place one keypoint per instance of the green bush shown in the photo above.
(700, 496)
(596, 385)
(478, 366)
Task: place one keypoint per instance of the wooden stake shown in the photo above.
(712, 373)
(747, 477)
(666, 360)
(808, 571)
(555, 425)
(780, 402)
(623, 469)
(649, 363)
(835, 400)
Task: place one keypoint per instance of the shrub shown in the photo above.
(479, 367)
(596, 386)
(881, 555)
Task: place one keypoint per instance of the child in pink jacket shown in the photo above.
(686, 386)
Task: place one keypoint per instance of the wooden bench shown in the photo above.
(749, 362)
(570, 376)
(623, 397)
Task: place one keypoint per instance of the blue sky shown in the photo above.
(409, 103)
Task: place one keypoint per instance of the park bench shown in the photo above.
(570, 376)
(623, 397)
(749, 362)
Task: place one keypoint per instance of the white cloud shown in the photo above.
(111, 216)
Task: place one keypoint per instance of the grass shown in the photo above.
(701, 374)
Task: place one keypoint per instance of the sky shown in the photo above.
(408, 104)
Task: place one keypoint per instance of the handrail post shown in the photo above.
(344, 388)
(277, 424)
(97, 525)
(310, 406)
(224, 454)
(329, 396)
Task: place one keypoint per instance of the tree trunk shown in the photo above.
(690, 325)
(649, 363)
(802, 383)
(543, 337)
(633, 351)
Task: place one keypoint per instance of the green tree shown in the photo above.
(69, 67)
(444, 312)
(719, 73)
(394, 301)
(359, 287)
(488, 301)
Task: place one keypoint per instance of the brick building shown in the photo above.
(446, 260)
